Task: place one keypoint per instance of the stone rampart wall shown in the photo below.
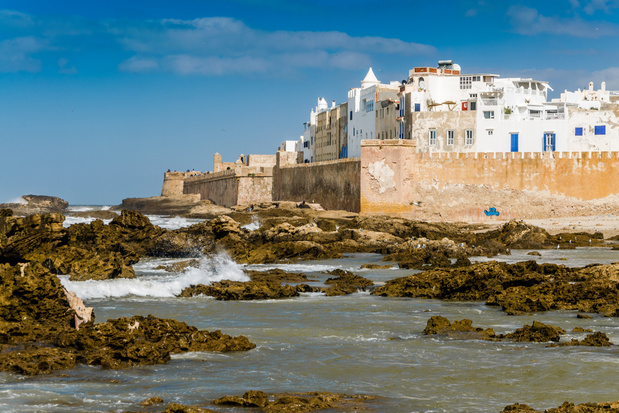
(394, 175)
(243, 186)
(332, 184)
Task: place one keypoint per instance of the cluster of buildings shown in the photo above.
(441, 109)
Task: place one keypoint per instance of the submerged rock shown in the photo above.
(346, 283)
(295, 402)
(237, 290)
(458, 329)
(567, 407)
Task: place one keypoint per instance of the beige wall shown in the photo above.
(391, 170)
(173, 183)
(332, 184)
(232, 187)
(327, 135)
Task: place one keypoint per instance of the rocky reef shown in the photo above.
(536, 332)
(519, 288)
(41, 332)
(567, 407)
(37, 204)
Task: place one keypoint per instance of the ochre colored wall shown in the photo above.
(221, 187)
(173, 184)
(332, 184)
(391, 170)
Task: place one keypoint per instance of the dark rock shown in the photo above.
(183, 408)
(458, 329)
(151, 401)
(346, 283)
(376, 266)
(295, 402)
(37, 204)
(237, 290)
(536, 332)
(596, 339)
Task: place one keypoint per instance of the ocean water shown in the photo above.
(352, 344)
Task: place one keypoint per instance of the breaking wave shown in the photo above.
(173, 222)
(211, 269)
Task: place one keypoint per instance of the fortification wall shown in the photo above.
(394, 176)
(173, 183)
(332, 184)
(240, 186)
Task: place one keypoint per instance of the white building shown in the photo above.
(444, 110)
(362, 105)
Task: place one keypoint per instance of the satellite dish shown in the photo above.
(422, 83)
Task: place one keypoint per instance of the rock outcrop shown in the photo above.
(37, 204)
(523, 287)
(39, 331)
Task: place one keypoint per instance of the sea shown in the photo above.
(356, 344)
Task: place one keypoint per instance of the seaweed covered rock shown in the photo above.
(238, 290)
(346, 283)
(566, 407)
(536, 332)
(43, 328)
(462, 329)
(295, 402)
(523, 287)
(597, 339)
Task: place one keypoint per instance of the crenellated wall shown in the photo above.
(394, 175)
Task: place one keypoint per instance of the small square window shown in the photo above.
(578, 132)
(488, 114)
(490, 131)
(600, 130)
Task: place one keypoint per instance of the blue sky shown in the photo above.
(98, 99)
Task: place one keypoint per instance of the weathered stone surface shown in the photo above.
(183, 408)
(38, 330)
(518, 288)
(536, 332)
(237, 290)
(567, 407)
(462, 329)
(37, 204)
(596, 339)
(346, 283)
(295, 402)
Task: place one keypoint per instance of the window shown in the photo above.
(417, 107)
(549, 141)
(432, 138)
(351, 115)
(466, 82)
(306, 144)
(369, 105)
(472, 105)
(450, 137)
(600, 130)
(490, 132)
(468, 137)
(488, 114)
(578, 132)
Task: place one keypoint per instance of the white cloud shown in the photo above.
(65, 68)
(137, 64)
(220, 45)
(15, 54)
(529, 21)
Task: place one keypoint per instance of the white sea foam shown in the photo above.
(173, 222)
(220, 267)
(253, 225)
(70, 220)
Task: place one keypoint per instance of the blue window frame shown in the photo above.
(351, 115)
(417, 107)
(578, 132)
(514, 139)
(600, 130)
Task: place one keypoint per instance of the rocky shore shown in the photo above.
(44, 328)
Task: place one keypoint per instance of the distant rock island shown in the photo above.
(37, 204)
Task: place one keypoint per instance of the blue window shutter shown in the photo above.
(554, 142)
(544, 142)
(578, 132)
(417, 107)
(600, 130)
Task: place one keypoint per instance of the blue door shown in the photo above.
(514, 142)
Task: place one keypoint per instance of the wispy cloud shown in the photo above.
(219, 45)
(15, 54)
(529, 21)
